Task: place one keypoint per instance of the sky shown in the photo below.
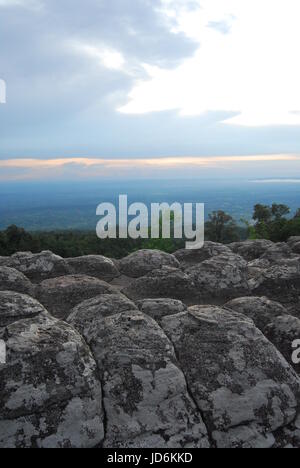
(149, 88)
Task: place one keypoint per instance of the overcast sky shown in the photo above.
(145, 79)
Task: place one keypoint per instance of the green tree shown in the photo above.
(262, 213)
(221, 228)
(271, 222)
(297, 214)
(279, 211)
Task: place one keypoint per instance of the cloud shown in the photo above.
(251, 71)
(176, 70)
(183, 167)
(28, 4)
(109, 58)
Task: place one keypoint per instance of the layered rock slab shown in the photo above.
(219, 279)
(12, 280)
(37, 267)
(93, 265)
(281, 328)
(160, 308)
(280, 283)
(166, 282)
(15, 306)
(60, 295)
(251, 249)
(50, 395)
(145, 394)
(209, 250)
(244, 388)
(143, 262)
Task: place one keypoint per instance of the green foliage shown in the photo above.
(78, 243)
(221, 228)
(271, 222)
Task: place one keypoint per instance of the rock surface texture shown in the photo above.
(195, 349)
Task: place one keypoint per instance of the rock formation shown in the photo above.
(155, 350)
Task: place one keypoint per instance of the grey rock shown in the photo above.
(189, 258)
(278, 253)
(39, 266)
(293, 240)
(122, 282)
(259, 309)
(93, 265)
(5, 261)
(220, 278)
(60, 295)
(13, 280)
(167, 282)
(264, 263)
(289, 437)
(294, 244)
(280, 283)
(90, 313)
(15, 306)
(145, 261)
(50, 396)
(160, 308)
(296, 248)
(251, 249)
(243, 386)
(145, 395)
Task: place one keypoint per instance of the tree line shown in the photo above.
(273, 222)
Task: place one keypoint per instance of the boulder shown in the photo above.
(13, 280)
(93, 265)
(160, 308)
(5, 261)
(122, 282)
(293, 240)
(88, 315)
(145, 261)
(145, 394)
(15, 306)
(39, 266)
(289, 437)
(278, 253)
(294, 244)
(280, 283)
(251, 249)
(167, 282)
(189, 258)
(259, 309)
(243, 387)
(296, 248)
(264, 263)
(50, 396)
(60, 295)
(220, 278)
